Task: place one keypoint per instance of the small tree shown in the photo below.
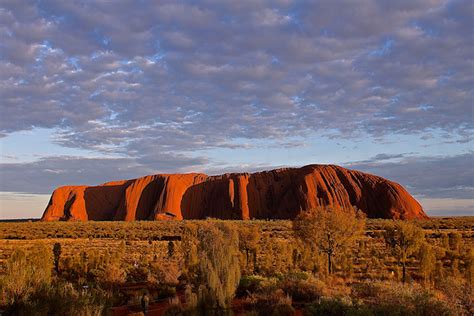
(219, 268)
(427, 262)
(330, 229)
(455, 240)
(439, 273)
(248, 242)
(57, 255)
(445, 240)
(403, 239)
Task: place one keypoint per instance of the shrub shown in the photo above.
(422, 305)
(470, 267)
(459, 294)
(270, 303)
(62, 298)
(329, 307)
(300, 290)
(455, 241)
(165, 273)
(57, 255)
(26, 274)
(249, 284)
(401, 299)
(112, 275)
(138, 273)
(170, 249)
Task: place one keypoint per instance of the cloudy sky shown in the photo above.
(106, 90)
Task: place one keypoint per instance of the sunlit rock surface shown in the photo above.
(275, 194)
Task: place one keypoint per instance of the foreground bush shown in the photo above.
(274, 302)
(26, 274)
(28, 288)
(249, 284)
(380, 298)
(302, 290)
(338, 306)
(62, 298)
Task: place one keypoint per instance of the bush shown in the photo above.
(459, 294)
(401, 299)
(329, 307)
(269, 303)
(26, 274)
(165, 273)
(62, 298)
(249, 284)
(302, 290)
(335, 307)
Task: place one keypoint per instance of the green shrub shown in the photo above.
(249, 284)
(329, 307)
(302, 290)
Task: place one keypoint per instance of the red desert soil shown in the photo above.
(275, 194)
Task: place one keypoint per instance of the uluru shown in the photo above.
(275, 194)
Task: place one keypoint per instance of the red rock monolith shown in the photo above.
(276, 194)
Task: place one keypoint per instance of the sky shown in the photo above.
(94, 91)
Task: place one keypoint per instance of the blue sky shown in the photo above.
(97, 91)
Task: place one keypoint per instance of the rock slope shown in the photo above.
(275, 194)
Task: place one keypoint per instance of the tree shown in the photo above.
(170, 249)
(57, 255)
(219, 268)
(188, 247)
(427, 261)
(455, 240)
(249, 236)
(330, 229)
(403, 239)
(445, 240)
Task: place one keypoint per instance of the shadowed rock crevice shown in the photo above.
(277, 194)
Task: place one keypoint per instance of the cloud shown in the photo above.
(380, 157)
(448, 206)
(202, 75)
(428, 177)
(44, 175)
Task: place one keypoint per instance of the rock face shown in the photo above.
(275, 194)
